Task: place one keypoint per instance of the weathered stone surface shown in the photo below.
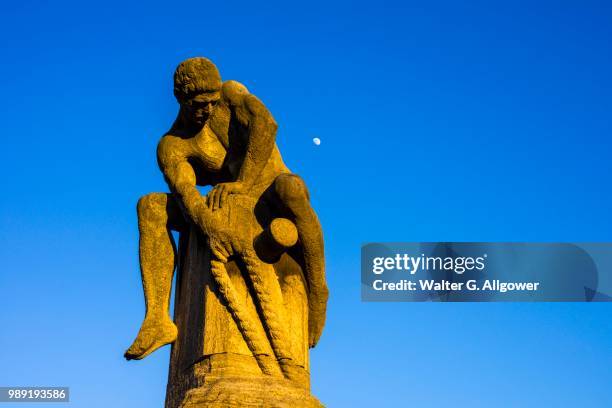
(251, 294)
(249, 392)
(209, 341)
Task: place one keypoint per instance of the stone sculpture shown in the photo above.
(251, 294)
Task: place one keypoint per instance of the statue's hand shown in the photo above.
(218, 195)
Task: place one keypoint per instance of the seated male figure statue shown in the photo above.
(223, 136)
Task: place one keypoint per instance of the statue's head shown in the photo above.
(197, 87)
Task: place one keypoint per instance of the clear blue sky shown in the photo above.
(439, 121)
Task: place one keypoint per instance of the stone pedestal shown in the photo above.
(211, 364)
(221, 392)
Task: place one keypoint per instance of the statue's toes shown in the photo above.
(134, 352)
(150, 339)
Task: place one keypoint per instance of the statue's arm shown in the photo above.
(181, 178)
(253, 115)
(261, 129)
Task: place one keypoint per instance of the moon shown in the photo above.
(316, 141)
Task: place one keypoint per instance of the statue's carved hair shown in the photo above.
(195, 75)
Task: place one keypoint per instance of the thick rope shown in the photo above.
(268, 292)
(255, 337)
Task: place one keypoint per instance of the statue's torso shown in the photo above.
(216, 153)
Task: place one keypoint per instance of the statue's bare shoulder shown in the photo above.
(233, 93)
(242, 103)
(172, 149)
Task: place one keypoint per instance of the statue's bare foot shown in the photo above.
(153, 334)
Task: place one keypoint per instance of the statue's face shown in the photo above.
(198, 108)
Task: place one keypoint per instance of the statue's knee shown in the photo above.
(292, 190)
(152, 207)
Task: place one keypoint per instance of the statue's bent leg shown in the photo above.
(293, 194)
(158, 213)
